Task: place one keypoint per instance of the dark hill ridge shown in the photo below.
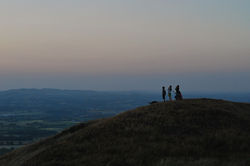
(189, 132)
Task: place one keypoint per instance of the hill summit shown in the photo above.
(189, 132)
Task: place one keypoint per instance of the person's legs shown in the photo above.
(177, 96)
(170, 96)
(164, 98)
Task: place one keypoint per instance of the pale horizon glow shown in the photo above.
(125, 45)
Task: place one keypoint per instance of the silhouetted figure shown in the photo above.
(178, 95)
(164, 94)
(170, 93)
(177, 89)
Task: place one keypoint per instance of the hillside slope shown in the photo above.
(189, 132)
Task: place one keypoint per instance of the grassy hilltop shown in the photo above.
(189, 132)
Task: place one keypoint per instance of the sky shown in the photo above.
(125, 44)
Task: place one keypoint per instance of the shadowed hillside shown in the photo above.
(190, 132)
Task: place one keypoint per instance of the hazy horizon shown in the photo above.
(125, 45)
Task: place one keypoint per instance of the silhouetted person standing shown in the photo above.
(177, 89)
(170, 93)
(178, 95)
(164, 94)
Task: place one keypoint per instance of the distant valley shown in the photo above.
(27, 115)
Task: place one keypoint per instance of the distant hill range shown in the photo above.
(55, 99)
(57, 104)
(189, 132)
(236, 97)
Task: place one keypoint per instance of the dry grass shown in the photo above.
(190, 132)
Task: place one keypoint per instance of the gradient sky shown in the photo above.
(125, 44)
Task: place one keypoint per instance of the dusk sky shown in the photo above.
(203, 45)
